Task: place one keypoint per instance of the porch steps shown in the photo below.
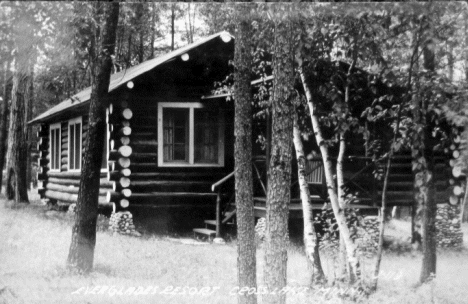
(204, 231)
(210, 222)
(208, 233)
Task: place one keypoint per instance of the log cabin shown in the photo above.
(166, 144)
(170, 142)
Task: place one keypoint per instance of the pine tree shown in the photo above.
(81, 253)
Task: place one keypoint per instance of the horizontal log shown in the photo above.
(73, 198)
(119, 123)
(145, 142)
(125, 131)
(64, 160)
(125, 140)
(149, 156)
(64, 168)
(126, 192)
(125, 151)
(124, 182)
(126, 113)
(124, 203)
(116, 175)
(103, 182)
(70, 189)
(178, 175)
(71, 175)
(124, 162)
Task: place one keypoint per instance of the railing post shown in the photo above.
(218, 213)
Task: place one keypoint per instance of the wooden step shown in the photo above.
(210, 222)
(204, 231)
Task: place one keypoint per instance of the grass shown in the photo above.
(35, 247)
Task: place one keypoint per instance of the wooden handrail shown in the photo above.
(221, 181)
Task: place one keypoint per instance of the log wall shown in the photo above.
(133, 177)
(62, 186)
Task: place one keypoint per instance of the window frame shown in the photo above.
(75, 121)
(191, 136)
(55, 126)
(106, 145)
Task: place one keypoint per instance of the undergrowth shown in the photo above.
(36, 241)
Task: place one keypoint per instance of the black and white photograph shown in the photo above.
(238, 152)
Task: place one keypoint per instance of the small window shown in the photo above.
(191, 134)
(74, 144)
(105, 149)
(55, 147)
(175, 141)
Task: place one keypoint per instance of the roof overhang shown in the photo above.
(123, 77)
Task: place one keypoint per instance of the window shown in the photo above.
(74, 144)
(55, 147)
(191, 134)
(104, 152)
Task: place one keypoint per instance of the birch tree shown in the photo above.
(310, 235)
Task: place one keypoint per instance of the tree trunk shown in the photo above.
(375, 277)
(279, 174)
(153, 29)
(310, 236)
(246, 260)
(342, 260)
(429, 210)
(172, 25)
(351, 250)
(81, 253)
(3, 120)
(16, 180)
(29, 113)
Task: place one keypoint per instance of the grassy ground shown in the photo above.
(35, 247)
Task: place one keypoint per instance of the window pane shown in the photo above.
(175, 134)
(104, 150)
(52, 149)
(57, 149)
(206, 136)
(77, 145)
(71, 148)
(179, 152)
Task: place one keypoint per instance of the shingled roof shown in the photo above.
(121, 78)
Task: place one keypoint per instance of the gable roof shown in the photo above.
(121, 78)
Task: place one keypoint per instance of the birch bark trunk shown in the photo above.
(351, 250)
(310, 236)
